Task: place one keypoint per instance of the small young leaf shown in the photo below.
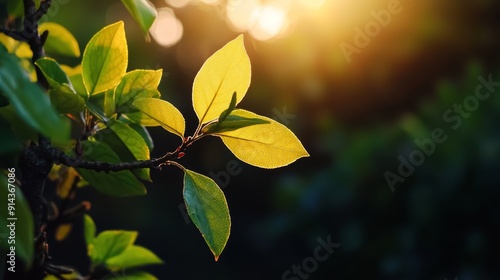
(89, 229)
(133, 256)
(228, 111)
(207, 208)
(137, 84)
(143, 12)
(24, 230)
(111, 243)
(121, 183)
(29, 101)
(60, 40)
(105, 59)
(164, 113)
(269, 145)
(226, 71)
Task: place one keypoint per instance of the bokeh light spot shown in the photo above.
(270, 21)
(167, 30)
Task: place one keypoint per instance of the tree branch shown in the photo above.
(60, 157)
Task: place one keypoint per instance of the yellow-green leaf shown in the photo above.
(164, 113)
(89, 229)
(268, 145)
(111, 243)
(207, 208)
(60, 40)
(133, 256)
(105, 59)
(225, 72)
(137, 84)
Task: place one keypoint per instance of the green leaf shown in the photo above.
(139, 118)
(207, 208)
(226, 71)
(143, 12)
(109, 102)
(144, 133)
(8, 143)
(228, 111)
(66, 100)
(60, 40)
(23, 225)
(52, 72)
(89, 229)
(75, 76)
(269, 145)
(15, 8)
(29, 101)
(164, 113)
(62, 95)
(111, 243)
(105, 59)
(137, 84)
(133, 256)
(135, 144)
(232, 122)
(121, 183)
(96, 110)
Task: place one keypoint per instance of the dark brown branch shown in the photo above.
(61, 158)
(15, 34)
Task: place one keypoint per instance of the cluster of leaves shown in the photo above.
(114, 107)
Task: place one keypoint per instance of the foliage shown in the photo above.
(115, 107)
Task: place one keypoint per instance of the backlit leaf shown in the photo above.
(269, 145)
(164, 113)
(207, 208)
(143, 12)
(225, 72)
(137, 84)
(105, 59)
(111, 243)
(60, 40)
(52, 72)
(89, 229)
(133, 256)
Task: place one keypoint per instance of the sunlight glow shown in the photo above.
(240, 13)
(270, 22)
(211, 2)
(313, 3)
(177, 3)
(167, 30)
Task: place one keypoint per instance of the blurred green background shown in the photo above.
(356, 114)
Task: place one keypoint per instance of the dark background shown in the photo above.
(355, 119)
